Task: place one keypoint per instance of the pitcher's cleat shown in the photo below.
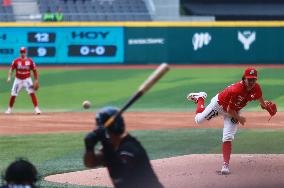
(224, 170)
(8, 111)
(37, 111)
(195, 96)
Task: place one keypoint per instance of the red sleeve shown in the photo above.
(258, 92)
(233, 100)
(33, 66)
(13, 65)
(233, 93)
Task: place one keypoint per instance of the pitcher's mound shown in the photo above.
(198, 171)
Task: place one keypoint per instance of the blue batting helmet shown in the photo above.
(117, 127)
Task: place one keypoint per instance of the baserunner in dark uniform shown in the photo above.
(125, 158)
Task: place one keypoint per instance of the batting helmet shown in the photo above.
(117, 127)
(23, 50)
(21, 171)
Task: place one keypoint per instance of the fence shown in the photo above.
(145, 42)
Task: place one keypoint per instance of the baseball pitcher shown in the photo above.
(23, 65)
(228, 103)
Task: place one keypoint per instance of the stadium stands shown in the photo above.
(142, 10)
(98, 10)
(236, 9)
(6, 11)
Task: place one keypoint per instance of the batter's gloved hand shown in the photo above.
(270, 107)
(101, 133)
(36, 85)
(91, 140)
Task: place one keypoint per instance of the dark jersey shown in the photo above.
(129, 166)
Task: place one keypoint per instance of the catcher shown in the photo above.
(228, 103)
(23, 65)
(125, 158)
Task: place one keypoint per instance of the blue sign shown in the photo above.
(59, 45)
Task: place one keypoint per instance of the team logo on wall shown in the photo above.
(200, 39)
(247, 38)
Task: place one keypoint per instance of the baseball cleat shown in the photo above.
(195, 96)
(8, 111)
(225, 169)
(37, 110)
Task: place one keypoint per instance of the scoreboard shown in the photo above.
(41, 37)
(72, 45)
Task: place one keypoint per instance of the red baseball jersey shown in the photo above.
(23, 67)
(236, 96)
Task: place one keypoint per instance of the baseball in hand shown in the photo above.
(86, 104)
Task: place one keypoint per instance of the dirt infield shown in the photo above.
(198, 171)
(28, 123)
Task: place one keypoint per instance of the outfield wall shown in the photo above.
(145, 42)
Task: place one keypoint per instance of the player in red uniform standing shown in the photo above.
(228, 103)
(23, 65)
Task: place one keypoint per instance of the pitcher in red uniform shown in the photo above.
(228, 103)
(23, 65)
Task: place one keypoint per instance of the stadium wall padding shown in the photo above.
(145, 42)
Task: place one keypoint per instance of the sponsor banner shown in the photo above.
(144, 45)
(63, 44)
(183, 45)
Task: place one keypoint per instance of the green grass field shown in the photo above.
(57, 153)
(64, 90)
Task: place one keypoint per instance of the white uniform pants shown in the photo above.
(19, 84)
(213, 110)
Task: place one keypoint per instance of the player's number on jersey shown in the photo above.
(212, 114)
(42, 37)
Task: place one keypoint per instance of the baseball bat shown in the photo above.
(144, 87)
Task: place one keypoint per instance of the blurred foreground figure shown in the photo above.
(125, 158)
(20, 174)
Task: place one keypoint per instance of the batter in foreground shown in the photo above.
(125, 158)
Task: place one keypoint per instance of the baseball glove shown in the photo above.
(36, 85)
(270, 107)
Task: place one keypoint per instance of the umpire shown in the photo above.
(125, 158)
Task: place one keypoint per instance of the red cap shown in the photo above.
(250, 73)
(23, 50)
